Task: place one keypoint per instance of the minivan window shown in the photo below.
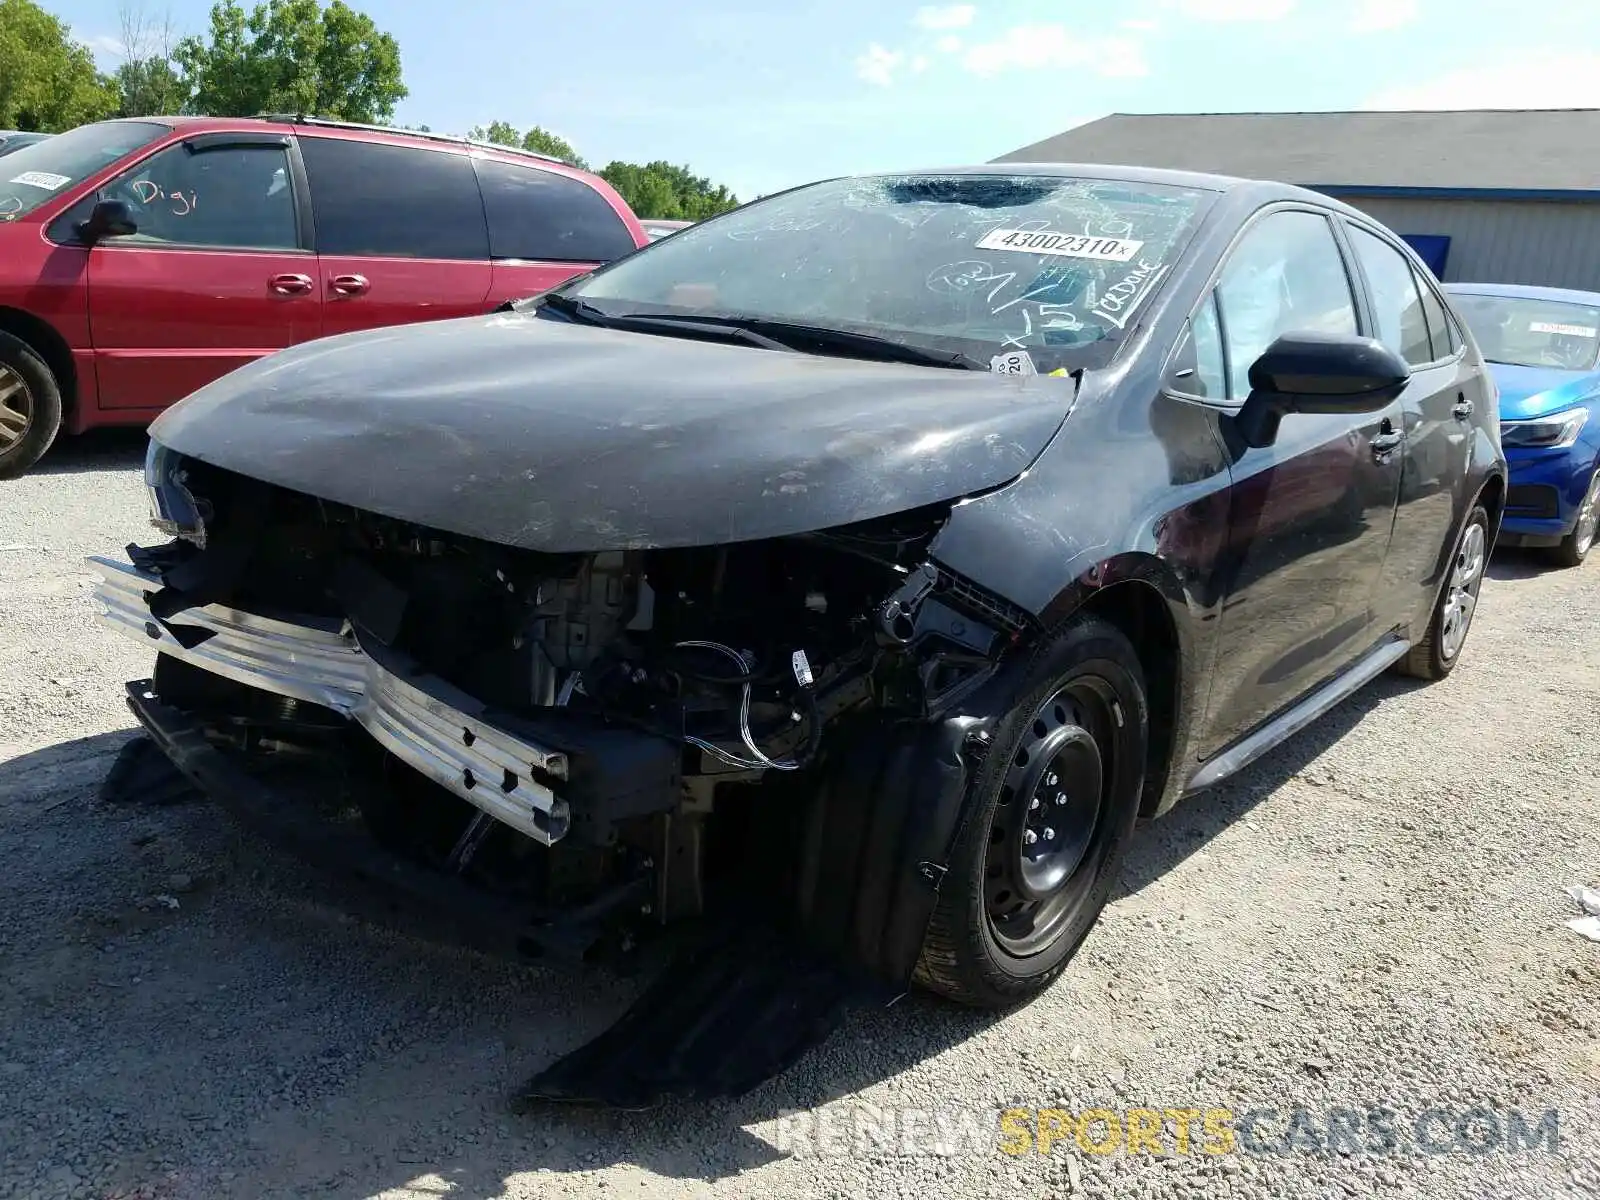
(33, 174)
(382, 201)
(540, 215)
(238, 197)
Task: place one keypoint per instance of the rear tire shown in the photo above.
(30, 407)
(1067, 764)
(1575, 547)
(1436, 655)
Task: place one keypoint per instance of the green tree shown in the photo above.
(150, 87)
(540, 141)
(48, 82)
(658, 189)
(293, 56)
(147, 82)
(666, 192)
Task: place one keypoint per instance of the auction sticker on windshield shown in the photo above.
(1067, 245)
(1017, 362)
(1569, 330)
(43, 179)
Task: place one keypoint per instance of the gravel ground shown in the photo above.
(1371, 917)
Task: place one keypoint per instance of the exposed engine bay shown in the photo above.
(581, 735)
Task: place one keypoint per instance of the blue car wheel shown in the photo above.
(1575, 547)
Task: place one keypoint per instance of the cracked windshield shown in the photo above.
(988, 264)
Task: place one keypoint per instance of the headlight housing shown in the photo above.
(172, 507)
(1555, 432)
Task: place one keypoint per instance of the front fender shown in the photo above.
(1129, 494)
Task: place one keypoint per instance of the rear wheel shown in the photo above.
(30, 407)
(1051, 812)
(1575, 547)
(1440, 649)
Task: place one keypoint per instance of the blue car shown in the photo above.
(1543, 346)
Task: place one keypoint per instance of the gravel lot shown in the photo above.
(1372, 916)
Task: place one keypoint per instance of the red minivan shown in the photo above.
(142, 258)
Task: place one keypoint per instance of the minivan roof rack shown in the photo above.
(453, 139)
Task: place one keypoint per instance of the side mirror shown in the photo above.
(110, 218)
(1318, 373)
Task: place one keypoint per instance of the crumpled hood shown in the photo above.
(1537, 391)
(557, 437)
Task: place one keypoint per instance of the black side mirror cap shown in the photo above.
(1318, 373)
(109, 218)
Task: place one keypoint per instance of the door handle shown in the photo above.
(1385, 443)
(291, 285)
(349, 285)
(1463, 408)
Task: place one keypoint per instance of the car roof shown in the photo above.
(1527, 291)
(1244, 191)
(362, 132)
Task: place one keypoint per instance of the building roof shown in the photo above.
(1523, 290)
(1522, 151)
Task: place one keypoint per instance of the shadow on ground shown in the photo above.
(97, 450)
(1511, 564)
(349, 1137)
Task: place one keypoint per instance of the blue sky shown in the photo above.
(763, 100)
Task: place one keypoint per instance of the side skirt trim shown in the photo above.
(1245, 751)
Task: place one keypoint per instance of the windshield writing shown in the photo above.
(978, 264)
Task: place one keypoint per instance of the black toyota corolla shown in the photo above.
(867, 560)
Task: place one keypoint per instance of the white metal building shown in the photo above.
(1502, 196)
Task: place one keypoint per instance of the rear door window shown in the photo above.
(545, 217)
(1396, 303)
(373, 200)
(1441, 332)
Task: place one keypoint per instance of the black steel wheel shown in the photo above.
(1050, 814)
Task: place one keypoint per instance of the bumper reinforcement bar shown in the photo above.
(427, 723)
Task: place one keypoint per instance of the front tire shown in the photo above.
(1051, 811)
(30, 407)
(1436, 655)
(1575, 547)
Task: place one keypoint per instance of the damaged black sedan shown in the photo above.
(870, 558)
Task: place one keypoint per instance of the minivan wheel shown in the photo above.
(1436, 655)
(30, 407)
(1575, 547)
(1051, 812)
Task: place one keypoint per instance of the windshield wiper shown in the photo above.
(869, 344)
(579, 310)
(694, 325)
(768, 334)
(651, 322)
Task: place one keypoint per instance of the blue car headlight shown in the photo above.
(1555, 432)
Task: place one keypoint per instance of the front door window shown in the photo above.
(233, 197)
